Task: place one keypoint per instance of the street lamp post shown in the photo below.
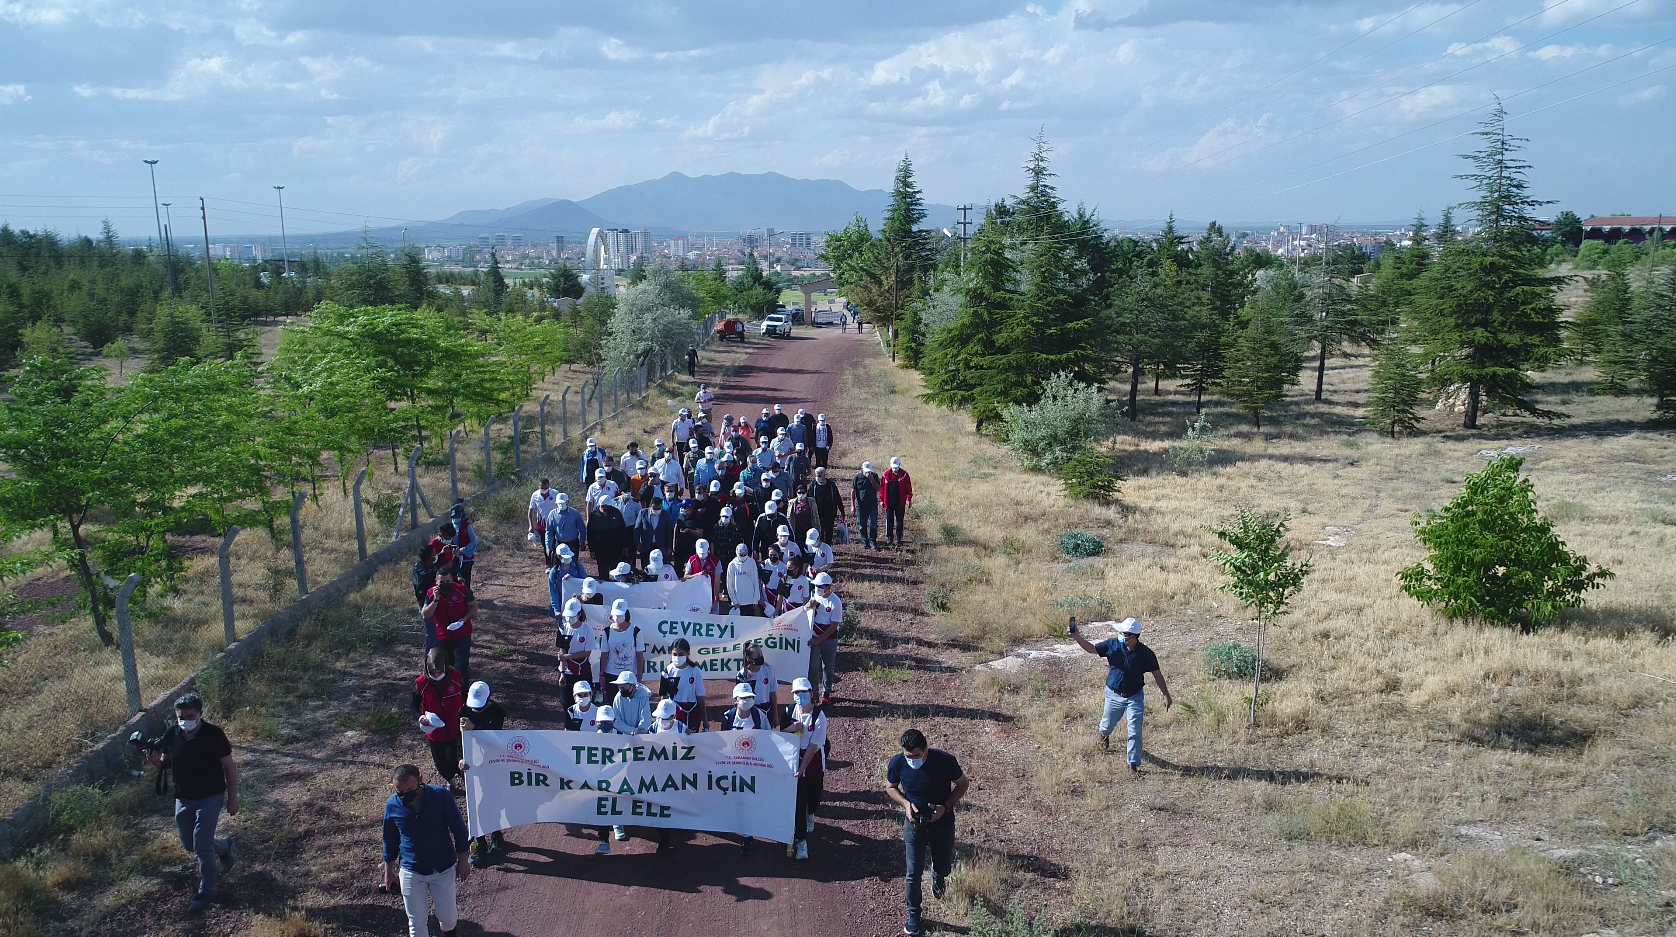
(152, 165)
(169, 249)
(286, 262)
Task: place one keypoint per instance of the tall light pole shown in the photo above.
(152, 165)
(169, 249)
(209, 265)
(283, 249)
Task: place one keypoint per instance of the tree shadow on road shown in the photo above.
(1281, 776)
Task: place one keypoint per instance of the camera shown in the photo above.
(146, 745)
(1072, 627)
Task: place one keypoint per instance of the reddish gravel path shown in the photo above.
(550, 882)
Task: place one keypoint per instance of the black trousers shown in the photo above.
(810, 787)
(446, 757)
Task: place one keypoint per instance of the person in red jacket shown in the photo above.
(705, 563)
(449, 608)
(896, 492)
(438, 694)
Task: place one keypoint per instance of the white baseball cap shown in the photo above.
(622, 569)
(741, 550)
(564, 498)
(478, 695)
(431, 722)
(655, 560)
(895, 462)
(812, 537)
(820, 418)
(743, 691)
(625, 678)
(606, 714)
(867, 466)
(715, 484)
(590, 586)
(823, 579)
(592, 441)
(582, 688)
(727, 510)
(777, 495)
(778, 408)
(703, 546)
(1128, 626)
(565, 552)
(782, 531)
(771, 507)
(657, 442)
(572, 607)
(802, 684)
(619, 609)
(665, 709)
(799, 447)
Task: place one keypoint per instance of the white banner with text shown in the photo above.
(726, 782)
(719, 641)
(691, 595)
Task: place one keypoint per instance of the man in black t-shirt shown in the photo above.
(927, 783)
(1128, 662)
(205, 779)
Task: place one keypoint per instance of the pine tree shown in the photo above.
(1331, 318)
(1143, 329)
(1485, 310)
(1395, 389)
(1217, 288)
(962, 367)
(414, 280)
(494, 284)
(906, 261)
(1655, 336)
(1264, 358)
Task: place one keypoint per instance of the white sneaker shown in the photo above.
(803, 849)
(809, 823)
(620, 833)
(603, 849)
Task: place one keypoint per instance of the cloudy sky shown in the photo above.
(1232, 109)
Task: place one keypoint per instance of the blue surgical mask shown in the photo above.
(916, 763)
(801, 698)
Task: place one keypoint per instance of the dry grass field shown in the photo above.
(1407, 773)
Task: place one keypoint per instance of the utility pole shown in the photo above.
(283, 249)
(152, 165)
(169, 249)
(209, 265)
(964, 226)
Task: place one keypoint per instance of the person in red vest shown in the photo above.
(449, 609)
(438, 694)
(705, 563)
(896, 493)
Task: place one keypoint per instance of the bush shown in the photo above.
(1017, 923)
(75, 808)
(1495, 558)
(1086, 607)
(1231, 661)
(1089, 475)
(1080, 544)
(1194, 451)
(1009, 546)
(937, 597)
(654, 316)
(1068, 417)
(950, 533)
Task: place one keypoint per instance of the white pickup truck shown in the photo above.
(777, 324)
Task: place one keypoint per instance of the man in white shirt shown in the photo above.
(819, 554)
(744, 585)
(704, 398)
(542, 501)
(823, 647)
(783, 446)
(681, 429)
(668, 471)
(603, 489)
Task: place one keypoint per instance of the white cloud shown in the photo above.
(614, 121)
(11, 94)
(1654, 93)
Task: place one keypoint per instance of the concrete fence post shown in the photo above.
(454, 466)
(360, 515)
(297, 543)
(488, 455)
(125, 638)
(517, 439)
(564, 415)
(599, 398)
(615, 376)
(543, 411)
(229, 630)
(413, 490)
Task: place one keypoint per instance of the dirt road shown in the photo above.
(550, 881)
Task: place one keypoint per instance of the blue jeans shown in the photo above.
(939, 839)
(196, 820)
(823, 665)
(867, 522)
(1116, 706)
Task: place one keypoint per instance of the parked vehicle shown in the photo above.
(777, 324)
(797, 315)
(730, 328)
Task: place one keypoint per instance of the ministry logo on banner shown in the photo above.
(727, 782)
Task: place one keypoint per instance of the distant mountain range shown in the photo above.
(722, 205)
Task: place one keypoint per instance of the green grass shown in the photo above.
(889, 674)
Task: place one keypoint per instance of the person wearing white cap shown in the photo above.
(668, 471)
(796, 587)
(789, 550)
(820, 555)
(683, 681)
(745, 714)
(705, 398)
(896, 495)
(766, 531)
(704, 562)
(744, 583)
(1128, 661)
(666, 718)
(621, 647)
(633, 704)
(582, 715)
(763, 456)
(681, 429)
(807, 722)
(565, 525)
(779, 420)
(829, 503)
(575, 643)
(773, 569)
(609, 537)
(624, 573)
(593, 458)
(823, 647)
(590, 592)
(797, 429)
(732, 528)
(797, 466)
(764, 425)
(704, 470)
(542, 501)
(755, 670)
(605, 720)
(782, 446)
(438, 694)
(822, 442)
(865, 488)
(565, 566)
(482, 714)
(603, 489)
(659, 571)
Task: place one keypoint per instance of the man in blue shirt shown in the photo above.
(1128, 662)
(425, 851)
(926, 782)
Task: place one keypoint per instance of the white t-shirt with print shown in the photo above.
(618, 649)
(589, 719)
(544, 502)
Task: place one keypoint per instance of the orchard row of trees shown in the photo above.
(1041, 291)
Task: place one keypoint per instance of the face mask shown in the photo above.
(801, 698)
(584, 704)
(187, 725)
(666, 723)
(436, 677)
(680, 660)
(410, 797)
(916, 763)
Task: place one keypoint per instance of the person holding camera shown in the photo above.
(206, 779)
(1128, 662)
(426, 851)
(926, 783)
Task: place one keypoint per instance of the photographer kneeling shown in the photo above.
(205, 779)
